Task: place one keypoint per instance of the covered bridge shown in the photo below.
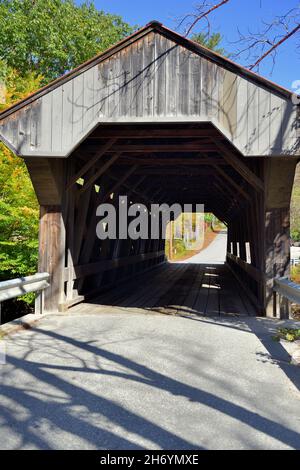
(161, 119)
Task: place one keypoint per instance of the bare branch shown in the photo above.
(265, 43)
(203, 11)
(275, 46)
(254, 47)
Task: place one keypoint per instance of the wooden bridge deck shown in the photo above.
(176, 289)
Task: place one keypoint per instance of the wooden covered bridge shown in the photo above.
(158, 118)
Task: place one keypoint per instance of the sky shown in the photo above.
(242, 14)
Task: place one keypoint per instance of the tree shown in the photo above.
(18, 203)
(211, 41)
(14, 86)
(51, 37)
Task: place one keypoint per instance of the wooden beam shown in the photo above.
(240, 167)
(132, 189)
(100, 172)
(91, 162)
(136, 185)
(90, 269)
(52, 252)
(253, 272)
(175, 172)
(195, 161)
(228, 190)
(104, 132)
(160, 148)
(80, 224)
(232, 182)
(119, 183)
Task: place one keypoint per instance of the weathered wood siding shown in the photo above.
(154, 79)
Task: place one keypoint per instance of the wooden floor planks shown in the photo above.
(177, 289)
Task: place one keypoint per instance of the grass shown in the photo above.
(295, 273)
(289, 334)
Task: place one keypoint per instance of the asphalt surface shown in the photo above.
(136, 381)
(215, 253)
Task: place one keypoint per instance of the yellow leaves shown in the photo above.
(29, 211)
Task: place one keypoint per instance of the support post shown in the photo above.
(52, 253)
(279, 178)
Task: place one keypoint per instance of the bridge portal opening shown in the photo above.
(159, 119)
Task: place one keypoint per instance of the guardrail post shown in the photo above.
(282, 308)
(39, 303)
(286, 292)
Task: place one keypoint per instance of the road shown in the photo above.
(215, 253)
(122, 380)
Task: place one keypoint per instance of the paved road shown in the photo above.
(131, 381)
(215, 253)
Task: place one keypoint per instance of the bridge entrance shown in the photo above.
(159, 119)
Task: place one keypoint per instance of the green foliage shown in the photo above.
(208, 218)
(211, 41)
(295, 208)
(18, 218)
(50, 37)
(18, 204)
(289, 334)
(295, 234)
(14, 86)
(295, 273)
(39, 40)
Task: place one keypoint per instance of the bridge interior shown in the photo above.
(191, 290)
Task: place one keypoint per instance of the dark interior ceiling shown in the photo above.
(171, 163)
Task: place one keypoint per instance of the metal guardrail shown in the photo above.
(288, 289)
(295, 261)
(23, 285)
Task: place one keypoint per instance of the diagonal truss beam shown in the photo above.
(91, 162)
(240, 167)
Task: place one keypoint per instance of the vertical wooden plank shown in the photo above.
(136, 85)
(101, 92)
(171, 80)
(252, 118)
(264, 108)
(289, 127)
(67, 115)
(215, 92)
(149, 68)
(124, 109)
(161, 47)
(113, 86)
(88, 99)
(183, 84)
(35, 137)
(45, 124)
(229, 103)
(195, 85)
(242, 122)
(203, 87)
(209, 88)
(276, 125)
(56, 123)
(77, 106)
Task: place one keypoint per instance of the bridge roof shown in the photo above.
(154, 75)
